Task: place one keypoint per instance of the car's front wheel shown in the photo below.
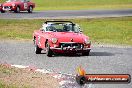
(49, 52)
(2, 11)
(30, 10)
(36, 48)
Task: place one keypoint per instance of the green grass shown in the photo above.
(18, 29)
(80, 4)
(109, 30)
(105, 30)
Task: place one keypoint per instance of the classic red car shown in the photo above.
(17, 6)
(61, 37)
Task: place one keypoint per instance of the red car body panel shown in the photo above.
(61, 36)
(24, 6)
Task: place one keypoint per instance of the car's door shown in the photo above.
(28, 3)
(41, 38)
(24, 5)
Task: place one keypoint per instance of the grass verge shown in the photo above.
(104, 30)
(11, 77)
(80, 4)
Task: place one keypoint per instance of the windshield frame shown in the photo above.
(64, 27)
(14, 0)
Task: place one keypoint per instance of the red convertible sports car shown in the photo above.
(17, 6)
(61, 37)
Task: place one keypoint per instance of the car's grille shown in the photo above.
(7, 7)
(76, 45)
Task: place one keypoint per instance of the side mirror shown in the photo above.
(41, 29)
(81, 30)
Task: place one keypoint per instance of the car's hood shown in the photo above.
(9, 3)
(68, 36)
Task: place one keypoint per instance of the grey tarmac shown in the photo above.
(102, 60)
(67, 14)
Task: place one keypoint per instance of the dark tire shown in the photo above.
(86, 53)
(17, 9)
(81, 80)
(49, 52)
(30, 10)
(36, 48)
(2, 11)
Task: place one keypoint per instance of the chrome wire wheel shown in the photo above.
(49, 52)
(30, 9)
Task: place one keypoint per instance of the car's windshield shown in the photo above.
(62, 28)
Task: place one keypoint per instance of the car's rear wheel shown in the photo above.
(49, 52)
(36, 48)
(17, 9)
(30, 10)
(86, 53)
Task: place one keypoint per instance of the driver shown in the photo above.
(66, 28)
(51, 28)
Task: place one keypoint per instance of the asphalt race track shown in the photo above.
(102, 60)
(67, 14)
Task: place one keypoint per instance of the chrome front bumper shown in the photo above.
(7, 8)
(70, 49)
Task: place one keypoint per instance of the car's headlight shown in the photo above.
(13, 5)
(87, 41)
(54, 40)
